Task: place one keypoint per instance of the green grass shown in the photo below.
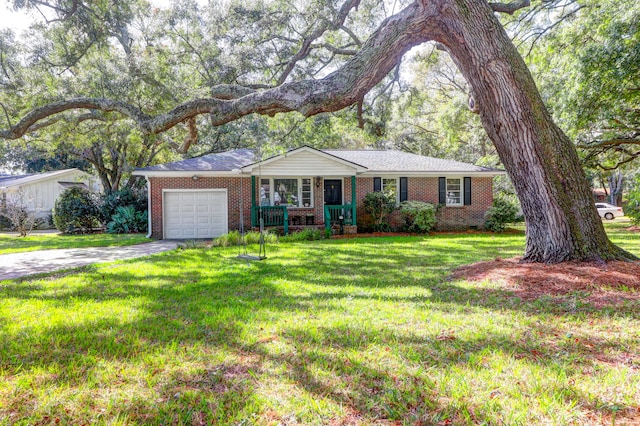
(354, 331)
(12, 243)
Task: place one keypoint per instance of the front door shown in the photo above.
(333, 191)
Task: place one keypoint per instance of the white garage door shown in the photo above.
(195, 214)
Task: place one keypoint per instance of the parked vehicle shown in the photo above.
(608, 211)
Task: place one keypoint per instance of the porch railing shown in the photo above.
(271, 215)
(332, 215)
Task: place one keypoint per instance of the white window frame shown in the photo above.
(397, 181)
(461, 191)
(272, 190)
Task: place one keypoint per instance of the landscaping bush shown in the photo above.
(234, 238)
(76, 211)
(379, 205)
(309, 234)
(503, 210)
(128, 220)
(16, 216)
(109, 203)
(419, 216)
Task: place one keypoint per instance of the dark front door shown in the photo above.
(333, 191)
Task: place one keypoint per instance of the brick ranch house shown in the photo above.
(207, 196)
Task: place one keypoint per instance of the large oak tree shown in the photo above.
(562, 223)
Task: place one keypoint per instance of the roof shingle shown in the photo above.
(374, 161)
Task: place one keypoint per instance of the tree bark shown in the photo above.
(562, 221)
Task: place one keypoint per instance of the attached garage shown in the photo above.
(195, 213)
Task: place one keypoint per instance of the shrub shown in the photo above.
(309, 234)
(19, 218)
(234, 238)
(16, 214)
(379, 205)
(128, 220)
(633, 206)
(504, 210)
(109, 203)
(419, 216)
(76, 211)
(366, 223)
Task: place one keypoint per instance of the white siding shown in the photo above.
(40, 196)
(305, 164)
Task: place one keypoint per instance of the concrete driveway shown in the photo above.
(16, 265)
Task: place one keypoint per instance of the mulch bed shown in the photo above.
(600, 284)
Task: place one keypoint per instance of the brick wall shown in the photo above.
(426, 189)
(419, 188)
(232, 184)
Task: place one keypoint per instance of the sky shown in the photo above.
(15, 20)
(19, 21)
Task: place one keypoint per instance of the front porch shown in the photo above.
(305, 208)
(340, 216)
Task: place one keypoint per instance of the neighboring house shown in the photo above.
(207, 196)
(600, 195)
(38, 192)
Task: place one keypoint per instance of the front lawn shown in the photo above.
(12, 243)
(353, 331)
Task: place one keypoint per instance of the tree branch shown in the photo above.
(510, 8)
(305, 49)
(395, 36)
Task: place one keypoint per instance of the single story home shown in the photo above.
(38, 192)
(207, 196)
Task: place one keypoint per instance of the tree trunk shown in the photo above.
(616, 180)
(561, 219)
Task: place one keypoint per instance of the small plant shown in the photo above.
(193, 245)
(76, 211)
(379, 205)
(504, 210)
(309, 234)
(128, 220)
(419, 217)
(234, 238)
(19, 218)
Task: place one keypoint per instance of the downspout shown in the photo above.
(148, 205)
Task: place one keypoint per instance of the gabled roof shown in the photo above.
(9, 181)
(363, 161)
(317, 153)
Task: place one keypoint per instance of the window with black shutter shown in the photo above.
(404, 190)
(442, 190)
(467, 191)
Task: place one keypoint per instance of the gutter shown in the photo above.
(148, 206)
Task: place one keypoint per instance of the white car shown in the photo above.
(608, 211)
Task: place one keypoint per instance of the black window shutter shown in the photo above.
(442, 190)
(467, 191)
(377, 184)
(404, 190)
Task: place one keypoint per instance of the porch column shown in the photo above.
(353, 200)
(253, 201)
